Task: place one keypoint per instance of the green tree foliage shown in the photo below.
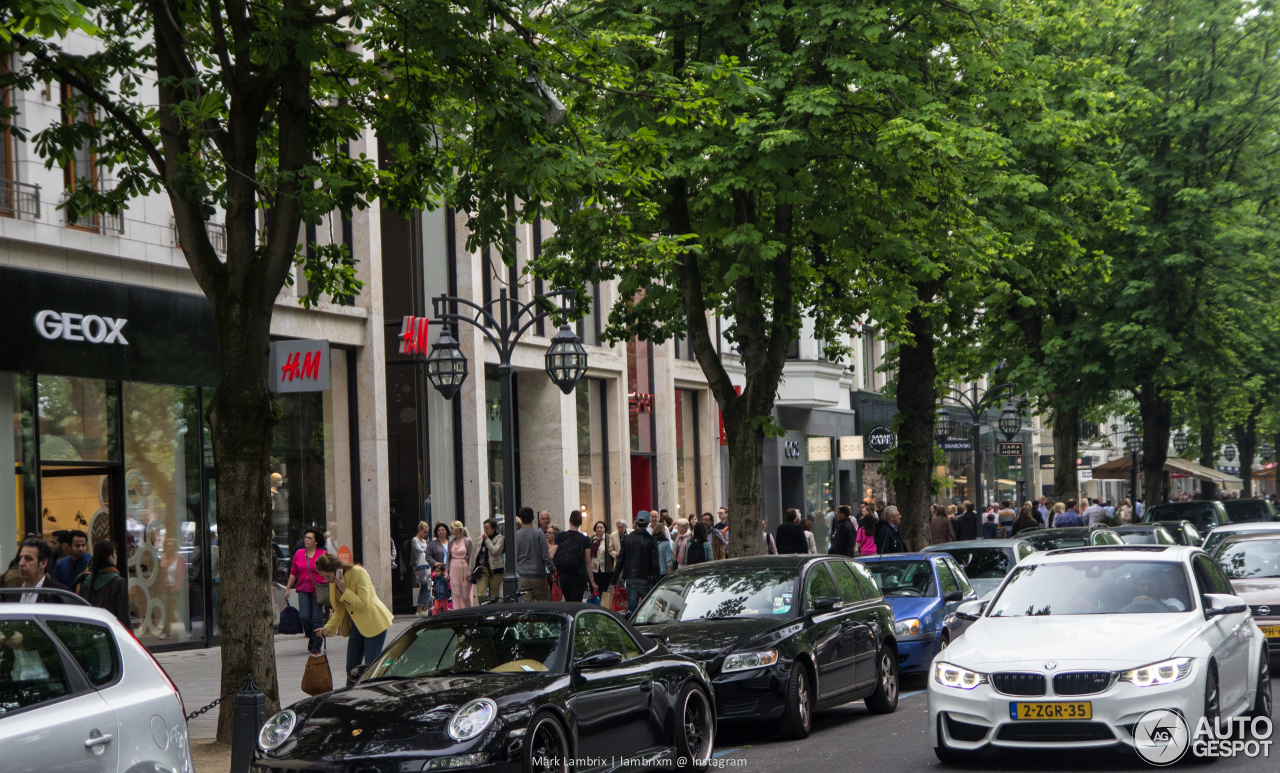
(234, 108)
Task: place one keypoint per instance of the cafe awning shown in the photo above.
(1119, 469)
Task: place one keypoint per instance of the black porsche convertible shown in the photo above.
(781, 636)
(527, 687)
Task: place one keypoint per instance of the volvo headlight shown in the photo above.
(1164, 672)
(907, 627)
(472, 719)
(277, 730)
(745, 661)
(955, 676)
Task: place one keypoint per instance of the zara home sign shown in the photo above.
(53, 325)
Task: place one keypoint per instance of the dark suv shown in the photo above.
(1249, 510)
(1206, 514)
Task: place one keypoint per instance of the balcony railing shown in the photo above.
(96, 222)
(19, 199)
(217, 236)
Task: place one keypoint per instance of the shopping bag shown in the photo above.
(594, 600)
(619, 600)
(556, 593)
(316, 677)
(290, 620)
(606, 599)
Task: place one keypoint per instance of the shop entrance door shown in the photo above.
(79, 497)
(641, 484)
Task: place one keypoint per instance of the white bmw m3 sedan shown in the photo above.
(1078, 644)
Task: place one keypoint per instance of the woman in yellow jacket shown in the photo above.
(357, 611)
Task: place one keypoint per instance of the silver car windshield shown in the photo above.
(1094, 587)
(1252, 559)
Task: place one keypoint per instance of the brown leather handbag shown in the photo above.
(316, 677)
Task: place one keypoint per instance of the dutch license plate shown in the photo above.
(1270, 631)
(1054, 710)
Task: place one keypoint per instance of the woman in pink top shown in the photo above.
(304, 576)
(462, 560)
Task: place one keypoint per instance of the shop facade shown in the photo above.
(103, 386)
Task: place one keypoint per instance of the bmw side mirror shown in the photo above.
(955, 595)
(827, 604)
(597, 659)
(970, 610)
(1217, 604)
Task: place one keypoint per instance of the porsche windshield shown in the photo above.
(503, 645)
(729, 593)
(1093, 587)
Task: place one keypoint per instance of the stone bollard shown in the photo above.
(250, 716)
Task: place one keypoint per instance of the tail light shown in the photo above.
(163, 674)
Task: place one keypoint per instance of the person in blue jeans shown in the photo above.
(358, 613)
(638, 563)
(306, 579)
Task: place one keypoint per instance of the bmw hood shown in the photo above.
(1076, 641)
(707, 640)
(397, 710)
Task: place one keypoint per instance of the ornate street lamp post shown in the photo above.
(975, 405)
(504, 321)
(1133, 444)
(1180, 442)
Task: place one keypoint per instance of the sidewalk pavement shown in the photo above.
(198, 673)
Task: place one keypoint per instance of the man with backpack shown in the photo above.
(571, 560)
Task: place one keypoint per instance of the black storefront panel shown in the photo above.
(105, 330)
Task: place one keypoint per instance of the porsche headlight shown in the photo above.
(472, 719)
(277, 730)
(955, 676)
(1164, 672)
(907, 627)
(745, 661)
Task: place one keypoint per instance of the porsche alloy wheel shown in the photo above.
(695, 733)
(546, 747)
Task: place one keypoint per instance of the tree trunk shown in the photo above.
(1247, 445)
(1157, 419)
(1208, 448)
(241, 416)
(746, 486)
(917, 411)
(1066, 438)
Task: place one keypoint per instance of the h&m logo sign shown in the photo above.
(53, 325)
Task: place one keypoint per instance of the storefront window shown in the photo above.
(493, 435)
(17, 491)
(640, 419)
(688, 478)
(77, 419)
(592, 447)
(819, 483)
(162, 512)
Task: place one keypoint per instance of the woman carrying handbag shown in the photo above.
(304, 578)
(358, 613)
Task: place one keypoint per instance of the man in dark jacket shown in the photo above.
(34, 555)
(791, 534)
(638, 562)
(888, 539)
(968, 525)
(844, 540)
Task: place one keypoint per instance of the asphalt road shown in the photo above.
(850, 738)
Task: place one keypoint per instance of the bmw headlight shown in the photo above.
(907, 627)
(955, 676)
(1164, 672)
(277, 730)
(472, 719)
(745, 661)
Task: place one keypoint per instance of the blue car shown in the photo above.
(924, 590)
